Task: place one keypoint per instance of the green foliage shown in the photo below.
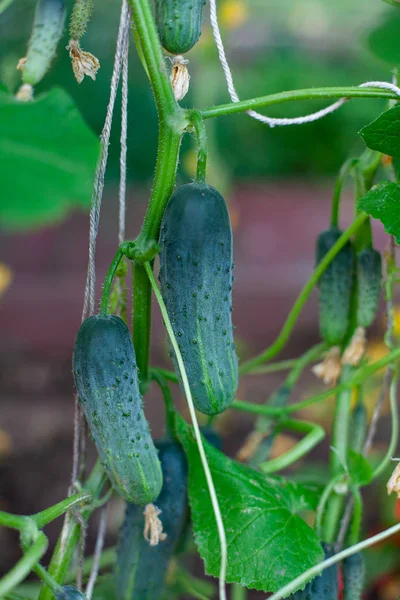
(48, 156)
(359, 469)
(383, 41)
(382, 202)
(259, 518)
(383, 134)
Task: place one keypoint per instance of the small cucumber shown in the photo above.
(141, 569)
(353, 571)
(106, 379)
(80, 16)
(179, 23)
(335, 287)
(69, 592)
(196, 284)
(47, 30)
(369, 283)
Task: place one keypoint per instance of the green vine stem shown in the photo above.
(359, 376)
(306, 94)
(70, 534)
(238, 592)
(13, 521)
(172, 124)
(109, 278)
(326, 494)
(46, 516)
(202, 151)
(314, 435)
(345, 170)
(355, 527)
(290, 322)
(24, 566)
(169, 405)
(395, 429)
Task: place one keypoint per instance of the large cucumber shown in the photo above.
(335, 287)
(141, 569)
(369, 283)
(106, 379)
(179, 23)
(196, 284)
(46, 33)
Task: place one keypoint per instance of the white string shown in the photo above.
(90, 288)
(123, 142)
(101, 532)
(272, 122)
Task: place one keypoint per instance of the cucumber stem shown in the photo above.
(169, 405)
(24, 566)
(202, 152)
(108, 281)
(345, 170)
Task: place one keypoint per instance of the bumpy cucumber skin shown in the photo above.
(106, 379)
(335, 287)
(47, 30)
(369, 283)
(69, 592)
(196, 284)
(81, 13)
(141, 569)
(179, 23)
(353, 571)
(324, 586)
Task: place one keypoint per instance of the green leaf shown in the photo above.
(383, 134)
(360, 470)
(48, 157)
(298, 497)
(383, 202)
(384, 40)
(266, 539)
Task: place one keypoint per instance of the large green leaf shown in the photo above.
(360, 470)
(48, 157)
(383, 202)
(268, 544)
(383, 134)
(384, 40)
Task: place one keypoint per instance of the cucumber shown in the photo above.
(106, 379)
(369, 283)
(80, 16)
(196, 285)
(353, 571)
(324, 586)
(335, 288)
(47, 30)
(69, 592)
(179, 23)
(141, 569)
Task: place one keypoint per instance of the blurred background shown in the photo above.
(278, 184)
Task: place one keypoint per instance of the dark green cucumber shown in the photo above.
(196, 284)
(323, 587)
(106, 379)
(353, 571)
(335, 287)
(179, 23)
(141, 569)
(47, 30)
(69, 592)
(369, 283)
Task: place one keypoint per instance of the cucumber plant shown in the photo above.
(247, 522)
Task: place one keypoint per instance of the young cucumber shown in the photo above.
(141, 569)
(322, 587)
(353, 570)
(69, 592)
(335, 287)
(47, 31)
(369, 283)
(196, 284)
(106, 379)
(179, 23)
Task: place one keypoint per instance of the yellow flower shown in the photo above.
(232, 13)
